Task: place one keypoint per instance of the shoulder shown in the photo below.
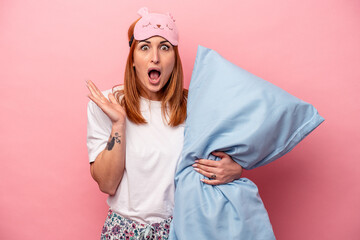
(119, 87)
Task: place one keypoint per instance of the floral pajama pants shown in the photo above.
(118, 227)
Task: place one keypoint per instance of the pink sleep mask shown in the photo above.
(156, 24)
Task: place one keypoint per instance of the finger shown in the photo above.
(98, 94)
(211, 182)
(207, 162)
(112, 98)
(206, 173)
(98, 101)
(92, 90)
(95, 100)
(95, 89)
(90, 85)
(204, 168)
(219, 154)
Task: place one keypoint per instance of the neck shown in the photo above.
(151, 96)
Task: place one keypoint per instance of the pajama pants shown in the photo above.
(118, 227)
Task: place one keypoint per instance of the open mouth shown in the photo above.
(154, 75)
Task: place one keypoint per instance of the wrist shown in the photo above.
(118, 126)
(238, 173)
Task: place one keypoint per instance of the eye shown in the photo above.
(144, 47)
(164, 47)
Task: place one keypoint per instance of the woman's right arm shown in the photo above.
(109, 165)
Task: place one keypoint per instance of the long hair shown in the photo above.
(174, 96)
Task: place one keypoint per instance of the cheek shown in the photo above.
(139, 68)
(171, 65)
(139, 62)
(171, 68)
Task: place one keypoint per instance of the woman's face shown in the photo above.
(154, 60)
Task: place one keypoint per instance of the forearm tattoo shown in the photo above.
(111, 142)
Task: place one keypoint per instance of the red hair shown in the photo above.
(174, 96)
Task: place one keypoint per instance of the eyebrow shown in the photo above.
(144, 41)
(166, 41)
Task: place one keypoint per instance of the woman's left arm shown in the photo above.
(220, 172)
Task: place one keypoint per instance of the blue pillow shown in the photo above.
(252, 120)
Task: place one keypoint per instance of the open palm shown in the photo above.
(110, 106)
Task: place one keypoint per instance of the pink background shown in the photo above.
(48, 49)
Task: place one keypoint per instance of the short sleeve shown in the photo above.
(98, 129)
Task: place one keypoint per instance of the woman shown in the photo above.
(135, 136)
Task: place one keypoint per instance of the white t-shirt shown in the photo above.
(146, 191)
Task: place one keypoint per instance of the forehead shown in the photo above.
(154, 40)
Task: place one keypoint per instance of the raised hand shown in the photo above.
(110, 107)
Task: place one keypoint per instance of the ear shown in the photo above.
(143, 11)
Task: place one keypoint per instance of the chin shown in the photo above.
(153, 90)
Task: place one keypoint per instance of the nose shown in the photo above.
(155, 56)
